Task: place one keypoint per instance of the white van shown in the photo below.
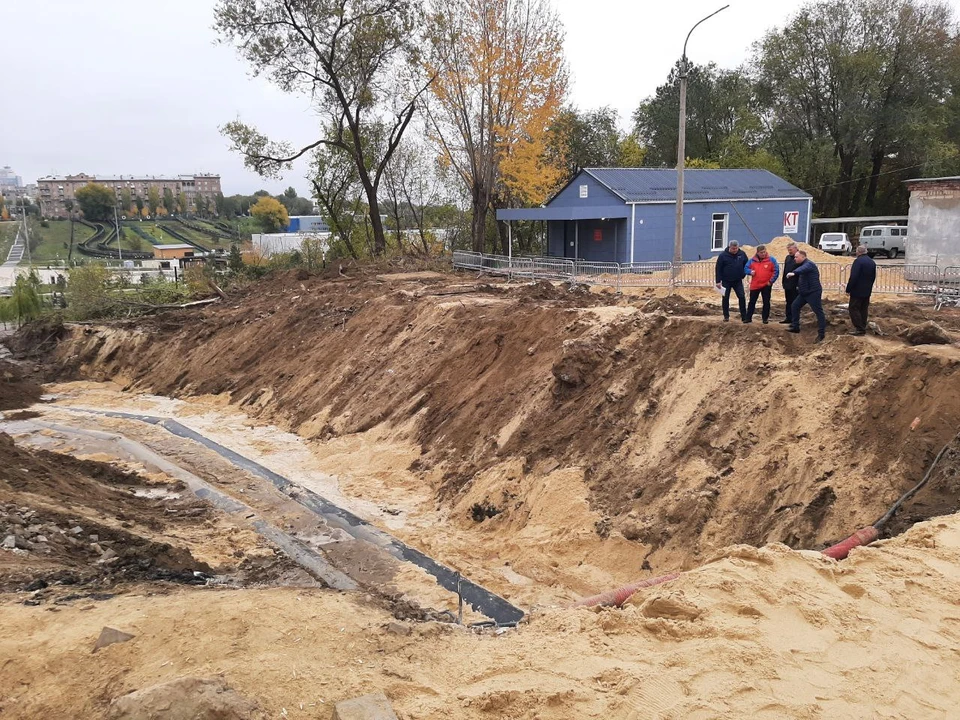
(836, 243)
(888, 240)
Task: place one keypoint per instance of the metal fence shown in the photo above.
(948, 290)
(922, 280)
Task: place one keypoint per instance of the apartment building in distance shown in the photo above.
(54, 191)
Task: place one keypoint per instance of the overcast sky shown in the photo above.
(134, 87)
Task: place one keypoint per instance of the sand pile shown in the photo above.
(778, 249)
(764, 633)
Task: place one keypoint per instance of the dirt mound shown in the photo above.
(73, 522)
(16, 391)
(688, 434)
(778, 249)
(757, 633)
(188, 698)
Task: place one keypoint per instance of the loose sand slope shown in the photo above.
(767, 633)
(672, 431)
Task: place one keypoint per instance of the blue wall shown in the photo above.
(597, 194)
(748, 222)
(613, 246)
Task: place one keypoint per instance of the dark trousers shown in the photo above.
(737, 287)
(765, 294)
(814, 301)
(791, 297)
(859, 307)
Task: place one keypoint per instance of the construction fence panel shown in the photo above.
(696, 274)
(522, 267)
(833, 276)
(948, 290)
(598, 273)
(907, 279)
(545, 268)
(467, 260)
(496, 264)
(648, 274)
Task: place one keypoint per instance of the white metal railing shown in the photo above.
(923, 280)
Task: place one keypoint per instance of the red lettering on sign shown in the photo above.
(598, 235)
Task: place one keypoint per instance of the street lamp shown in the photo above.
(681, 145)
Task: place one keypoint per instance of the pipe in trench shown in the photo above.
(840, 551)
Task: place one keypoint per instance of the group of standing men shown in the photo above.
(801, 286)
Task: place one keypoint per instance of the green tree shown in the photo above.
(271, 215)
(720, 104)
(182, 204)
(138, 201)
(26, 300)
(153, 200)
(337, 189)
(220, 203)
(344, 55)
(168, 202)
(585, 139)
(235, 260)
(126, 200)
(96, 202)
(855, 92)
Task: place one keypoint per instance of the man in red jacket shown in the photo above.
(763, 270)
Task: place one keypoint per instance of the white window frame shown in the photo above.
(713, 231)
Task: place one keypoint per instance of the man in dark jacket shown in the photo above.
(863, 273)
(810, 293)
(731, 269)
(789, 282)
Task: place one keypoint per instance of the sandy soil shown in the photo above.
(549, 444)
(768, 633)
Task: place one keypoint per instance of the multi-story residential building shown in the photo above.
(8, 178)
(54, 191)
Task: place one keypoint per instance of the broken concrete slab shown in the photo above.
(188, 698)
(929, 333)
(375, 706)
(111, 636)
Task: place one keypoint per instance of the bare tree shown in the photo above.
(349, 57)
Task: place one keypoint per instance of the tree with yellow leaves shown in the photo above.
(499, 80)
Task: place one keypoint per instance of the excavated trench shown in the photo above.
(547, 444)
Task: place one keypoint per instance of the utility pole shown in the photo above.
(681, 144)
(26, 230)
(117, 223)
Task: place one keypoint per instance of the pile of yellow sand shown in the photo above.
(778, 249)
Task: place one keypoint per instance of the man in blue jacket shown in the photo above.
(731, 269)
(863, 274)
(810, 293)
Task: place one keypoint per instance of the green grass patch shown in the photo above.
(8, 235)
(54, 242)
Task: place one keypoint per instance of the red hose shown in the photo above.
(865, 536)
(616, 598)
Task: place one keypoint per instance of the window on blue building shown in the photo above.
(719, 230)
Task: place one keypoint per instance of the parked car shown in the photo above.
(836, 243)
(887, 240)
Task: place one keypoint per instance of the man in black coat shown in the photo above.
(790, 281)
(731, 270)
(863, 274)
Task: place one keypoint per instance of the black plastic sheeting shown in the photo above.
(479, 598)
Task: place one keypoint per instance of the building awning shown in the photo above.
(565, 213)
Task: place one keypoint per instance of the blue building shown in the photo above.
(307, 224)
(629, 214)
